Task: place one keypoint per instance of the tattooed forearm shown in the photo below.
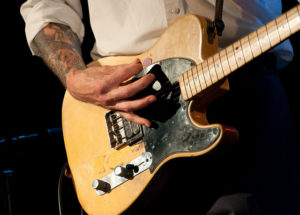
(59, 47)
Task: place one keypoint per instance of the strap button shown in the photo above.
(175, 10)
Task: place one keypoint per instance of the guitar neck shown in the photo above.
(229, 59)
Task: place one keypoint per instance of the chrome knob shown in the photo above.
(100, 185)
(121, 171)
(126, 172)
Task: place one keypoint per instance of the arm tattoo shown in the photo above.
(59, 47)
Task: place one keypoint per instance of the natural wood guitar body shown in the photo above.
(88, 148)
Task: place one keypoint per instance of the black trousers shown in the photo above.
(268, 174)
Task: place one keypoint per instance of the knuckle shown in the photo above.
(104, 68)
(133, 69)
(127, 93)
(105, 101)
(100, 88)
(126, 109)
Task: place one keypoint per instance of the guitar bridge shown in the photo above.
(122, 131)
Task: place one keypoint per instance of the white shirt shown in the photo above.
(127, 27)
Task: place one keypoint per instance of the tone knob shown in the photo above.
(101, 185)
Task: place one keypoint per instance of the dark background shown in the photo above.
(31, 99)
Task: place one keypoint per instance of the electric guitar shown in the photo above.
(113, 160)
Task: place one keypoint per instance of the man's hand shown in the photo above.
(59, 47)
(105, 86)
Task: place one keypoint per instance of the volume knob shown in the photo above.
(121, 171)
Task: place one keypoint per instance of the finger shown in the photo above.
(131, 89)
(125, 71)
(135, 118)
(130, 106)
(147, 62)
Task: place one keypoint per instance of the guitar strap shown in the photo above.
(218, 23)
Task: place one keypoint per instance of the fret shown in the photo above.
(277, 29)
(206, 74)
(231, 58)
(182, 87)
(212, 70)
(293, 17)
(263, 38)
(218, 66)
(258, 42)
(187, 85)
(242, 51)
(254, 44)
(283, 28)
(288, 24)
(250, 46)
(238, 52)
(246, 49)
(273, 33)
(267, 36)
(191, 82)
(196, 79)
(236, 55)
(201, 78)
(224, 62)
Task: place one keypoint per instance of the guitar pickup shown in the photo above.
(122, 131)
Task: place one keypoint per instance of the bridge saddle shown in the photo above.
(122, 131)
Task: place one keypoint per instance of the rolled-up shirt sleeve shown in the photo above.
(38, 13)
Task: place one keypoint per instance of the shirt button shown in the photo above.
(175, 11)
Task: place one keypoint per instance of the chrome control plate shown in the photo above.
(137, 166)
